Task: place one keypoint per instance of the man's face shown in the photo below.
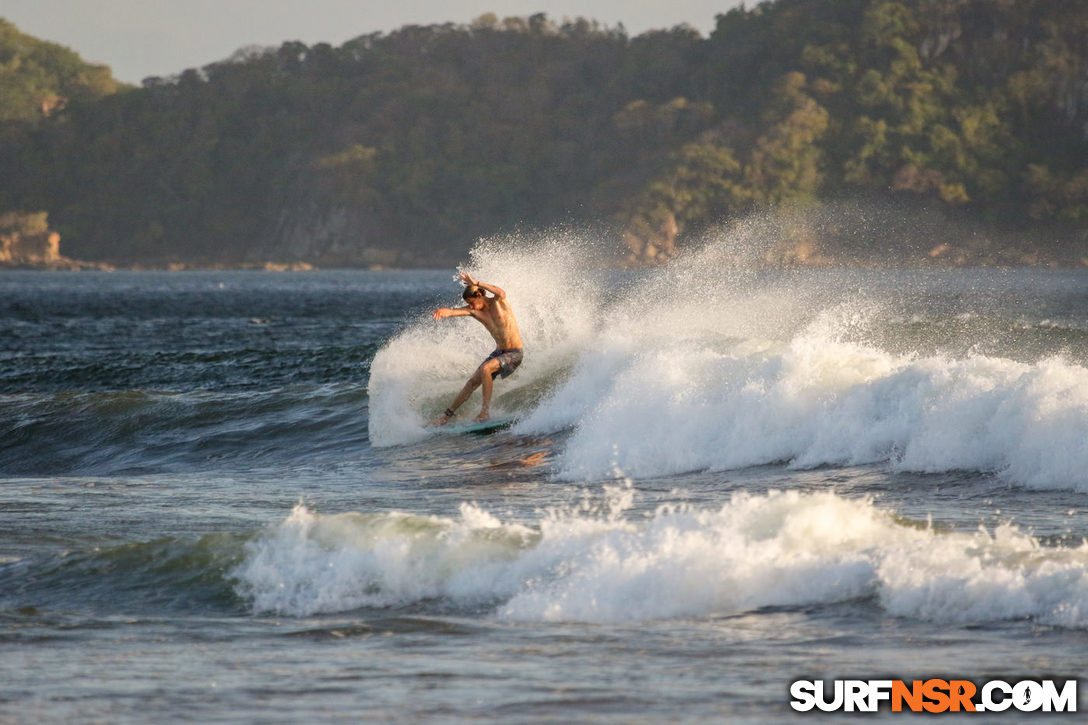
(476, 302)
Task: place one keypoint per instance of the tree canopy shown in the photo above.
(418, 141)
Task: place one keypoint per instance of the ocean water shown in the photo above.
(219, 501)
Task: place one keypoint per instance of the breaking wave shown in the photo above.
(596, 563)
(714, 362)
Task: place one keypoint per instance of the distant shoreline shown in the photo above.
(296, 268)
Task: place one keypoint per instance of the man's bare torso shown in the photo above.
(499, 320)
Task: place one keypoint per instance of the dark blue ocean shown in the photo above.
(219, 501)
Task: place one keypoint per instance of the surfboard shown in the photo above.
(471, 426)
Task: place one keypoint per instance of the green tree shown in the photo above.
(786, 165)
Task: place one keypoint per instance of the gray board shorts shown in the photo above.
(509, 360)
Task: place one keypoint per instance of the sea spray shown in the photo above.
(594, 561)
(555, 285)
(816, 401)
(715, 361)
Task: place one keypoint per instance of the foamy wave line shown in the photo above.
(815, 401)
(783, 548)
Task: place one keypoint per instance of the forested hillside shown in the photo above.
(38, 79)
(403, 148)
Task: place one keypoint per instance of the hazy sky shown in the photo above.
(140, 38)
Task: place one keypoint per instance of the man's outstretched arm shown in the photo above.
(497, 291)
(443, 312)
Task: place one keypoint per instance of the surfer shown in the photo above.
(495, 314)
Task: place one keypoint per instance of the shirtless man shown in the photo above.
(495, 314)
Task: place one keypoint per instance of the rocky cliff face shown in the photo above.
(325, 236)
(27, 242)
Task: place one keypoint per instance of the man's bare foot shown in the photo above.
(484, 415)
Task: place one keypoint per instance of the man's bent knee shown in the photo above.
(489, 368)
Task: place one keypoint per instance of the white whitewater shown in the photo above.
(713, 363)
(596, 564)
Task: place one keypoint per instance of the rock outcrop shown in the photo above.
(27, 242)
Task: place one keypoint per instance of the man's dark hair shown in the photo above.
(472, 291)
